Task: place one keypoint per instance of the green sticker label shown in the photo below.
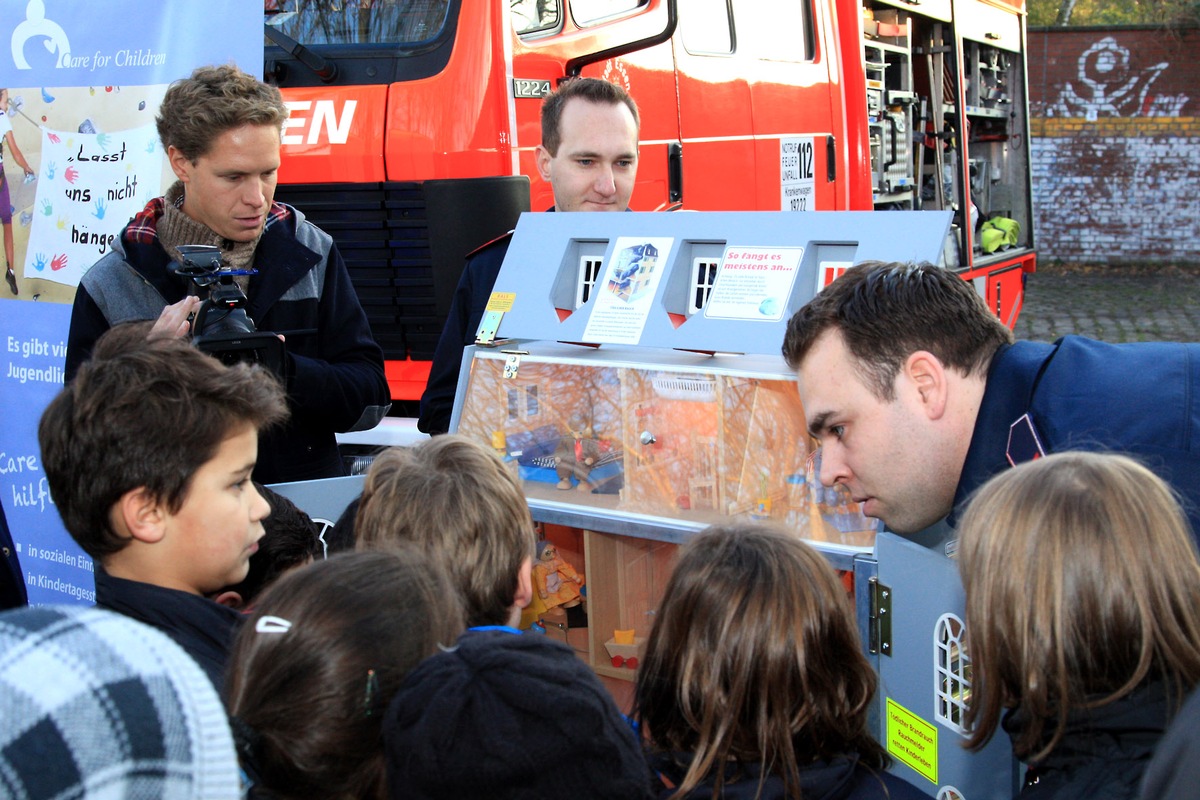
(912, 740)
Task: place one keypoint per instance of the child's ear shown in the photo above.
(142, 515)
(524, 595)
(230, 599)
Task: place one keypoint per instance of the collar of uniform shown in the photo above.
(1010, 380)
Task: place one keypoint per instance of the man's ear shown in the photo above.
(142, 515)
(928, 377)
(543, 158)
(524, 595)
(180, 164)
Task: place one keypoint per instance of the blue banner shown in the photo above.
(33, 337)
(79, 75)
(122, 43)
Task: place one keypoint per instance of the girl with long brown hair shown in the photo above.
(1083, 619)
(754, 683)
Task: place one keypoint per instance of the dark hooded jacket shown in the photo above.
(843, 778)
(1104, 751)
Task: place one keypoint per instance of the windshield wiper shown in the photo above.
(324, 68)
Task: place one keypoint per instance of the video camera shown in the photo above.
(221, 327)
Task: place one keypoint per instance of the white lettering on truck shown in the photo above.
(323, 125)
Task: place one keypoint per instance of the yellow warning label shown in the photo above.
(501, 301)
(912, 740)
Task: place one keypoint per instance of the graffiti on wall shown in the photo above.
(1108, 85)
(1093, 183)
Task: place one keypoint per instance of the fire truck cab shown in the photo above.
(414, 125)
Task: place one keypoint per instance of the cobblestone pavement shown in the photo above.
(1114, 304)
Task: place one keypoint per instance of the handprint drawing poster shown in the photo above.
(89, 186)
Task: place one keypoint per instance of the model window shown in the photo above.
(397, 22)
(708, 27)
(774, 31)
(589, 12)
(589, 272)
(704, 275)
(531, 401)
(523, 411)
(514, 403)
(952, 674)
(530, 16)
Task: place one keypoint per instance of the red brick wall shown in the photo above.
(1115, 120)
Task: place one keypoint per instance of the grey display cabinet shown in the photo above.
(628, 369)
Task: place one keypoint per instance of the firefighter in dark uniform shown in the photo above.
(588, 155)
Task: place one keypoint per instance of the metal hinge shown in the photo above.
(512, 362)
(488, 326)
(880, 618)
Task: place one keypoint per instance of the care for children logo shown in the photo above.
(40, 44)
(35, 30)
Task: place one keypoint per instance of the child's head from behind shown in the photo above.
(754, 658)
(1081, 580)
(455, 499)
(153, 442)
(340, 537)
(290, 540)
(313, 669)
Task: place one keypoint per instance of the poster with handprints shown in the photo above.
(89, 186)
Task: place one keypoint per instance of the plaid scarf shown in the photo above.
(143, 228)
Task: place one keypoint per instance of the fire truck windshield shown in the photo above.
(395, 22)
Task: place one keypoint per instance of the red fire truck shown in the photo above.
(414, 124)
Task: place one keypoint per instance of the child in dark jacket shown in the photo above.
(501, 714)
(754, 683)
